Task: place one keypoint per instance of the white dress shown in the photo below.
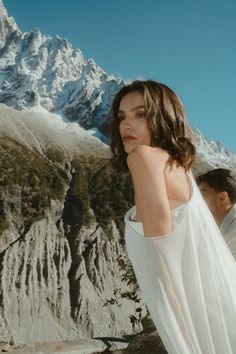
(187, 279)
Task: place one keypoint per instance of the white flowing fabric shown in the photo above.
(187, 279)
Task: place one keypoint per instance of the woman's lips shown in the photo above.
(129, 139)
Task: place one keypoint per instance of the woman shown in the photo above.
(185, 271)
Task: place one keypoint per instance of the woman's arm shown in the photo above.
(147, 170)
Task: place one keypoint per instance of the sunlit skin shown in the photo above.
(132, 116)
(218, 202)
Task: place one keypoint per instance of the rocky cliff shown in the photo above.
(61, 229)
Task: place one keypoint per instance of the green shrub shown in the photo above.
(55, 155)
(40, 179)
(111, 196)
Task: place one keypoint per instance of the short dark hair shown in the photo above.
(221, 180)
(166, 122)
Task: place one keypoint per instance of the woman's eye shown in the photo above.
(120, 117)
(141, 114)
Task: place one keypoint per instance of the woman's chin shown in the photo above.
(128, 148)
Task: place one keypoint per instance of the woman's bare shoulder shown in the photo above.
(147, 155)
(147, 167)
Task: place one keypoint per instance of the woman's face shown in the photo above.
(133, 125)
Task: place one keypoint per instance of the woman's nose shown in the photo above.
(127, 122)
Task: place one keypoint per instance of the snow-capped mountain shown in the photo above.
(7, 25)
(212, 154)
(45, 71)
(42, 70)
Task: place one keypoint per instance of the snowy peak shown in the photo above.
(39, 71)
(43, 70)
(34, 69)
(212, 154)
(7, 25)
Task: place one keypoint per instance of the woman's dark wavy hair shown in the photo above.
(166, 122)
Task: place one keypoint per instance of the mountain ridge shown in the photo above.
(45, 70)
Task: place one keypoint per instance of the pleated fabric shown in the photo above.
(187, 279)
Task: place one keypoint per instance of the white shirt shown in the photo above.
(228, 230)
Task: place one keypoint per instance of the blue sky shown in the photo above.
(189, 45)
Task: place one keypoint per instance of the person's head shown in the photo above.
(150, 113)
(218, 188)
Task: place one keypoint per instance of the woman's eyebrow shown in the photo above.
(133, 109)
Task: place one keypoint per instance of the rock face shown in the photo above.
(35, 255)
(60, 235)
(35, 305)
(7, 25)
(211, 154)
(148, 341)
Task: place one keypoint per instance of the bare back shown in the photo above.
(177, 186)
(159, 188)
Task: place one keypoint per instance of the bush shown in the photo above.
(111, 196)
(40, 180)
